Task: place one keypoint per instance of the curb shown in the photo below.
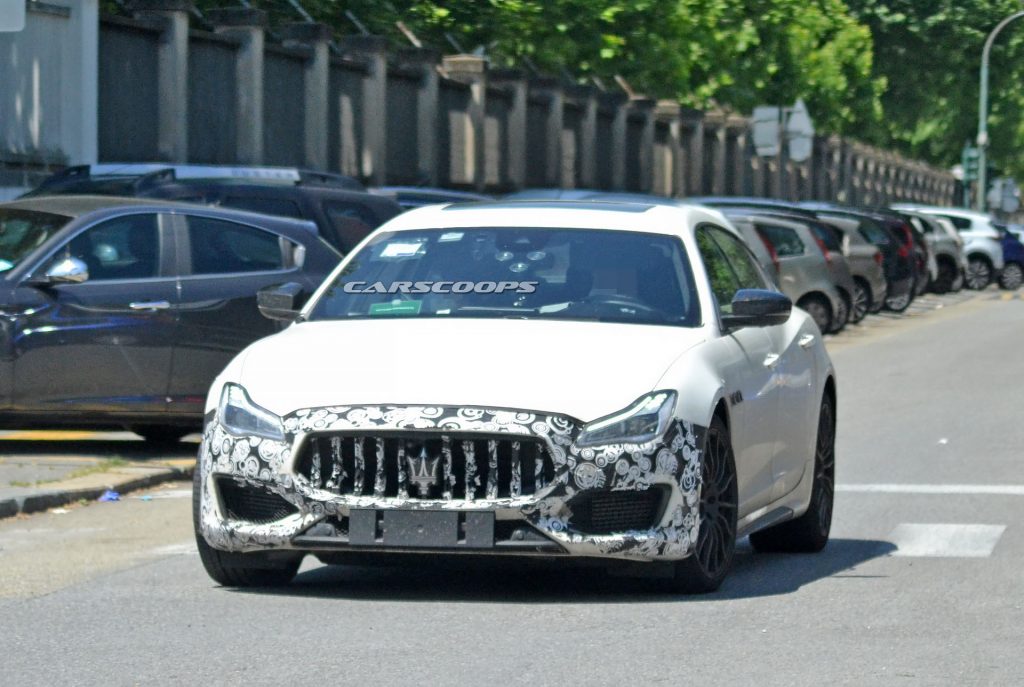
(33, 503)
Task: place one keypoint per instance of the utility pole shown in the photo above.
(983, 110)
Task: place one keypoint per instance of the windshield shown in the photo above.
(558, 274)
(22, 231)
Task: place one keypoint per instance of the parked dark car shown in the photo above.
(1012, 276)
(410, 197)
(121, 311)
(340, 207)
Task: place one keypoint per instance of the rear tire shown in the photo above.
(809, 533)
(711, 556)
(900, 303)
(1012, 276)
(946, 277)
(819, 310)
(237, 569)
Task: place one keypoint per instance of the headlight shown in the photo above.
(645, 420)
(240, 415)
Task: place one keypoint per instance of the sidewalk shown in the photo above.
(42, 470)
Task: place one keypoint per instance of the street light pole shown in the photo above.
(983, 111)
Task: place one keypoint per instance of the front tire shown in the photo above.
(979, 273)
(711, 557)
(809, 533)
(1012, 276)
(237, 569)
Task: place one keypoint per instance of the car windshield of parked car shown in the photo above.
(22, 231)
(523, 273)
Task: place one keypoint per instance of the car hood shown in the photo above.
(581, 369)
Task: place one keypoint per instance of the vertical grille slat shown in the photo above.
(472, 481)
(516, 482)
(492, 469)
(360, 469)
(449, 474)
(403, 479)
(426, 466)
(379, 483)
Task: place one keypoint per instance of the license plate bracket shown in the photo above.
(429, 529)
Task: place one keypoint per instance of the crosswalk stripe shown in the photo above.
(945, 540)
(940, 489)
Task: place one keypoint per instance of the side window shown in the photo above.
(351, 222)
(126, 247)
(268, 206)
(784, 240)
(740, 259)
(724, 283)
(961, 223)
(222, 247)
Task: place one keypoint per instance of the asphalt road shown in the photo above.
(920, 585)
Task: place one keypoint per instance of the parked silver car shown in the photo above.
(981, 242)
(946, 254)
(866, 265)
(789, 253)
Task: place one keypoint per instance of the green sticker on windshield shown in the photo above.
(396, 308)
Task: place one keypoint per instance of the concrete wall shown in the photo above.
(156, 87)
(48, 90)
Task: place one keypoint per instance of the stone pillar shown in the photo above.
(693, 147)
(645, 107)
(714, 136)
(674, 182)
(472, 70)
(316, 38)
(372, 51)
(247, 26)
(172, 74)
(515, 144)
(736, 145)
(586, 96)
(425, 60)
(551, 88)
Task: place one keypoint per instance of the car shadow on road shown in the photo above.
(515, 581)
(98, 448)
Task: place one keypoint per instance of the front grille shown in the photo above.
(610, 512)
(242, 502)
(426, 466)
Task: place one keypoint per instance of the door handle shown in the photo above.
(806, 340)
(771, 359)
(149, 305)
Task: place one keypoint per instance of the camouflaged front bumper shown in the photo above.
(673, 461)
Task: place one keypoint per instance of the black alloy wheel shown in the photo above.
(861, 302)
(809, 533)
(1012, 276)
(711, 555)
(979, 273)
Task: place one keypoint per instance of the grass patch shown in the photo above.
(102, 466)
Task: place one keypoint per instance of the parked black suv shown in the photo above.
(121, 311)
(340, 207)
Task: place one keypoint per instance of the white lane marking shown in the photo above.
(168, 494)
(946, 489)
(185, 548)
(946, 541)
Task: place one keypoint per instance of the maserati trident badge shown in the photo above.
(423, 470)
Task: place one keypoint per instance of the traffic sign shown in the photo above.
(12, 15)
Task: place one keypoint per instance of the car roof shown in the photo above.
(78, 206)
(562, 214)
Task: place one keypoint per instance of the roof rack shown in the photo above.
(155, 172)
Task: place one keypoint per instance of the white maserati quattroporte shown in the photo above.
(557, 379)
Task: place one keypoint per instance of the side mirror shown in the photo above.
(66, 271)
(281, 301)
(757, 308)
